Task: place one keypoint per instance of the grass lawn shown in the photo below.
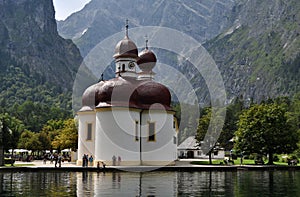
(18, 165)
(236, 162)
(214, 162)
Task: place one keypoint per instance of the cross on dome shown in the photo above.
(126, 48)
(146, 41)
(126, 28)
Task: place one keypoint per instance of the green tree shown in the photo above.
(186, 115)
(11, 128)
(233, 112)
(35, 115)
(52, 128)
(1, 144)
(45, 141)
(25, 137)
(203, 124)
(264, 129)
(208, 131)
(67, 137)
(34, 144)
(294, 117)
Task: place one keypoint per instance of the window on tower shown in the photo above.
(89, 131)
(151, 136)
(136, 130)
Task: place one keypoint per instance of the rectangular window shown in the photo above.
(151, 136)
(136, 130)
(89, 131)
(174, 140)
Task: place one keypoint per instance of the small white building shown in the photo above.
(127, 120)
(189, 149)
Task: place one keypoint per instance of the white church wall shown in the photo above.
(116, 136)
(163, 150)
(85, 145)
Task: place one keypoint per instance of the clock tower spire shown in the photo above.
(126, 56)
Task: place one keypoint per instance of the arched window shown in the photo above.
(151, 136)
(89, 131)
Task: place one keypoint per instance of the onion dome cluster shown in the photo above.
(129, 91)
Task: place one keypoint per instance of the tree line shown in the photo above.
(56, 134)
(266, 128)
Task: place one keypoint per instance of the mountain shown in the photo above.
(259, 55)
(36, 64)
(255, 44)
(100, 19)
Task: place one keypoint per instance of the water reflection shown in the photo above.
(37, 184)
(268, 183)
(210, 183)
(127, 183)
(206, 183)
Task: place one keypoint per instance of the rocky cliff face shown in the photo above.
(259, 55)
(100, 18)
(29, 35)
(32, 54)
(255, 43)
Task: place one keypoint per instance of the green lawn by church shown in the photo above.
(236, 162)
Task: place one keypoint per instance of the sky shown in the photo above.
(64, 8)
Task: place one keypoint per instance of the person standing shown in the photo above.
(86, 160)
(83, 160)
(114, 160)
(51, 158)
(91, 159)
(55, 159)
(45, 158)
(119, 160)
(59, 160)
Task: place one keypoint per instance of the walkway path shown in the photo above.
(181, 165)
(40, 163)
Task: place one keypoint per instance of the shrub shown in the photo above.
(9, 161)
(275, 158)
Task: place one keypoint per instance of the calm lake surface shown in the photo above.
(241, 183)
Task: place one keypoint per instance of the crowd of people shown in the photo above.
(89, 161)
(57, 158)
(86, 160)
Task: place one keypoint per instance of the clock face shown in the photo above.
(131, 65)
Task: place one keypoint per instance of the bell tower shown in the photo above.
(126, 56)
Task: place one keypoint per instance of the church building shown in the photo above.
(128, 120)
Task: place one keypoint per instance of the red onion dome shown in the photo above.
(147, 60)
(116, 92)
(150, 92)
(88, 98)
(126, 48)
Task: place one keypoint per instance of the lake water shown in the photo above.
(241, 183)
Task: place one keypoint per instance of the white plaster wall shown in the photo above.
(163, 148)
(85, 146)
(116, 135)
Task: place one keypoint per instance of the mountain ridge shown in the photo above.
(255, 43)
(100, 19)
(259, 55)
(36, 64)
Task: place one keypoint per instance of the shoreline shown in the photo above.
(185, 166)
